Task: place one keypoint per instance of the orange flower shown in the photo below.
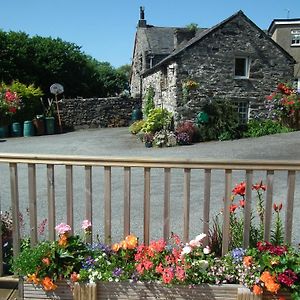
(63, 240)
(123, 245)
(48, 284)
(266, 276)
(46, 261)
(74, 277)
(272, 286)
(248, 261)
(257, 290)
(33, 278)
(131, 241)
(115, 247)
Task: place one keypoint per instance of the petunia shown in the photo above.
(62, 228)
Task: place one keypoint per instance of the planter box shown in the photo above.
(29, 291)
(135, 291)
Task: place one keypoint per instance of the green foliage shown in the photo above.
(149, 101)
(192, 26)
(223, 121)
(136, 127)
(44, 61)
(158, 118)
(256, 128)
(30, 97)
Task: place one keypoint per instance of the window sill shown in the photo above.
(241, 77)
(295, 45)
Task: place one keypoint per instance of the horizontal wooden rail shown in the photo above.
(238, 164)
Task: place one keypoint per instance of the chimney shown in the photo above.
(142, 21)
(183, 35)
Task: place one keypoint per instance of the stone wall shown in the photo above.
(210, 62)
(97, 112)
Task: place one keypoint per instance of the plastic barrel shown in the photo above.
(136, 115)
(28, 129)
(50, 125)
(16, 129)
(3, 131)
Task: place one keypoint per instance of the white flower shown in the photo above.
(203, 264)
(200, 237)
(206, 250)
(186, 250)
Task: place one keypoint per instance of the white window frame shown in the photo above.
(247, 67)
(295, 37)
(243, 111)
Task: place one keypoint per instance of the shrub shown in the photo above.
(158, 118)
(189, 128)
(223, 121)
(258, 128)
(136, 127)
(164, 138)
(31, 104)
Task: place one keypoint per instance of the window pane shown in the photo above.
(240, 67)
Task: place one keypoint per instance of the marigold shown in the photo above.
(115, 247)
(257, 290)
(63, 240)
(48, 284)
(266, 276)
(32, 278)
(248, 260)
(131, 241)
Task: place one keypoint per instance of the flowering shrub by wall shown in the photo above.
(9, 103)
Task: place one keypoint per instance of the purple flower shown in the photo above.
(237, 254)
(117, 272)
(89, 263)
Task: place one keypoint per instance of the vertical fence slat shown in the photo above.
(14, 188)
(289, 210)
(127, 200)
(167, 190)
(107, 204)
(186, 204)
(69, 197)
(51, 202)
(88, 198)
(268, 205)
(226, 221)
(206, 202)
(32, 203)
(146, 206)
(247, 209)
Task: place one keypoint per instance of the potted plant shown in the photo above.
(49, 117)
(9, 105)
(148, 139)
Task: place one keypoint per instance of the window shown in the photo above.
(242, 108)
(295, 37)
(241, 67)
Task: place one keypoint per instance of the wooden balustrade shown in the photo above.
(204, 192)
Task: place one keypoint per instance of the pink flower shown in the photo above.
(206, 250)
(86, 225)
(62, 228)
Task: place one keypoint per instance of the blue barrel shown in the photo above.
(16, 129)
(50, 125)
(28, 129)
(3, 131)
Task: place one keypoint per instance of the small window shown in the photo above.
(241, 67)
(295, 37)
(242, 108)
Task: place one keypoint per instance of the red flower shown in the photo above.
(240, 189)
(233, 207)
(276, 207)
(242, 203)
(168, 275)
(259, 186)
(288, 277)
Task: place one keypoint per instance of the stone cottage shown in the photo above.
(233, 60)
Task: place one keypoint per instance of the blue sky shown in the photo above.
(105, 29)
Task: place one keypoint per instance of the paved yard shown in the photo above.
(118, 142)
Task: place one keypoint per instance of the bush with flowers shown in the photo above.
(9, 103)
(284, 105)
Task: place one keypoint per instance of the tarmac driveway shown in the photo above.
(119, 142)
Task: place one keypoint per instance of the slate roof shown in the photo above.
(203, 33)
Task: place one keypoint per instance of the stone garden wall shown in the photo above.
(97, 112)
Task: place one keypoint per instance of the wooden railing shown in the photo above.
(10, 164)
